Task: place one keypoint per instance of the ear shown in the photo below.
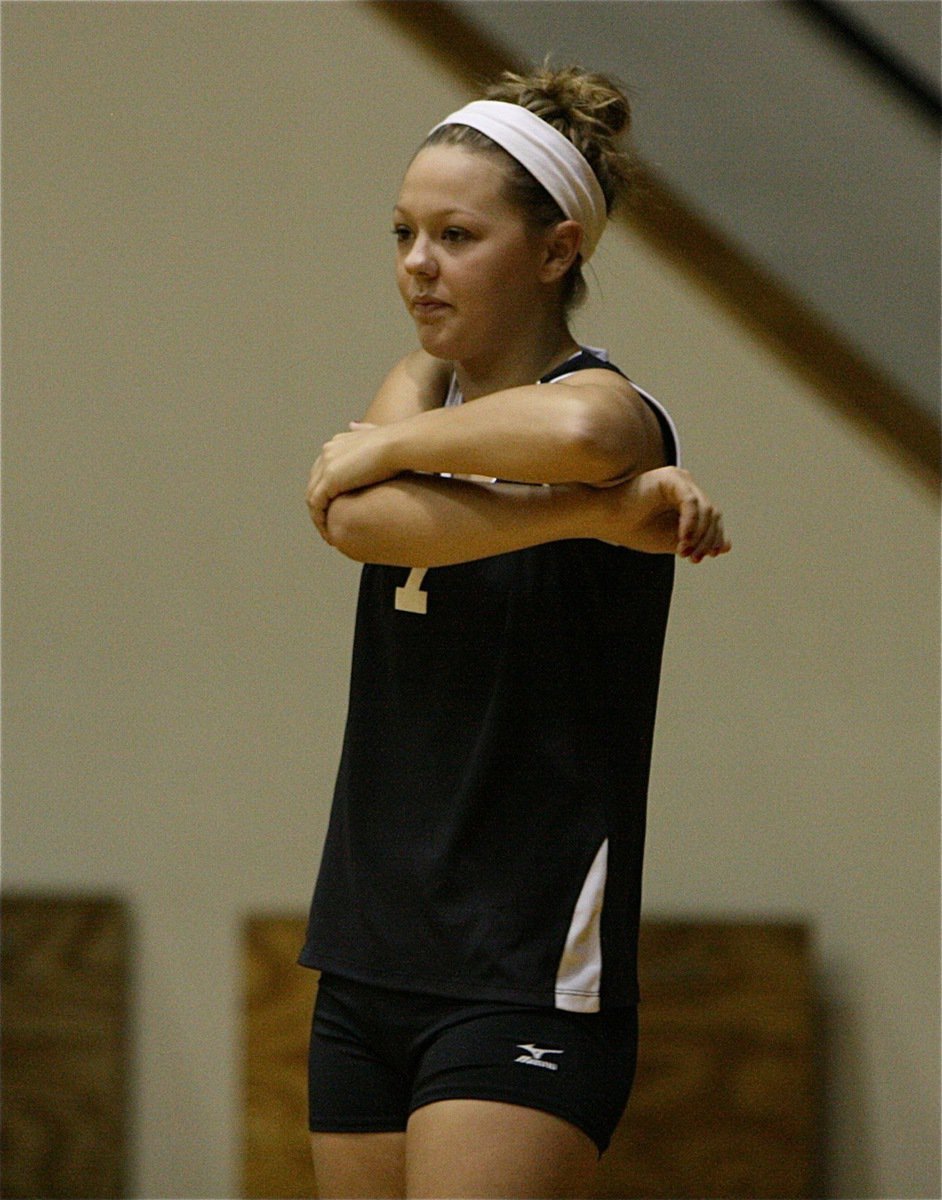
(560, 250)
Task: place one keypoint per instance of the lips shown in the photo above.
(428, 306)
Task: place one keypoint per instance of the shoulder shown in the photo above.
(591, 370)
(415, 384)
(620, 412)
(608, 379)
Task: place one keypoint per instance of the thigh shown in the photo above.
(348, 1165)
(481, 1148)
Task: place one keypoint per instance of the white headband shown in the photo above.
(548, 155)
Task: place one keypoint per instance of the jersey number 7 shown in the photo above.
(410, 597)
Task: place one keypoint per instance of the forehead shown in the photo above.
(452, 177)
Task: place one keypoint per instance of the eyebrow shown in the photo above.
(445, 212)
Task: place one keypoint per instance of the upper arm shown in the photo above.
(416, 383)
(618, 423)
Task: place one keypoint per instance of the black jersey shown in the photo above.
(487, 829)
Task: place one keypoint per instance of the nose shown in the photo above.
(420, 258)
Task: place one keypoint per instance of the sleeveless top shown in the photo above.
(487, 829)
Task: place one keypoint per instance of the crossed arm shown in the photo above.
(377, 495)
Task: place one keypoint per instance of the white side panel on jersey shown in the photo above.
(579, 977)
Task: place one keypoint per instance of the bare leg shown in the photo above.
(354, 1166)
(478, 1148)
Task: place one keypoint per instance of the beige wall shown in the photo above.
(197, 292)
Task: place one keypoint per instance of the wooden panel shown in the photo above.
(64, 1004)
(723, 1100)
(279, 1000)
(723, 1103)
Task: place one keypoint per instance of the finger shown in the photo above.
(313, 481)
(721, 543)
(717, 543)
(686, 504)
(714, 538)
(692, 524)
(317, 496)
(707, 536)
(318, 506)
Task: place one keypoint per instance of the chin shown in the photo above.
(434, 342)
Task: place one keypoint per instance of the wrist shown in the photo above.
(601, 512)
(392, 448)
(420, 443)
(581, 511)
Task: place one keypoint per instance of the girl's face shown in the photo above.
(467, 264)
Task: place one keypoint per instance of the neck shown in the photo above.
(517, 365)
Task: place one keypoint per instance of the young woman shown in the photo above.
(518, 504)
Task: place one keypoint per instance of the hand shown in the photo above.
(665, 512)
(348, 461)
(700, 532)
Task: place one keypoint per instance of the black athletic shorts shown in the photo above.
(376, 1055)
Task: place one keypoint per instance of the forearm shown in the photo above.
(433, 522)
(537, 434)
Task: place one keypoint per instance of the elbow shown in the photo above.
(604, 449)
(347, 531)
(361, 526)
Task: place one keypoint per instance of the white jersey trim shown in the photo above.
(579, 977)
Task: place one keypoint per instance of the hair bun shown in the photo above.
(585, 97)
(592, 110)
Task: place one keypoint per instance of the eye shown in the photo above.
(454, 233)
(402, 233)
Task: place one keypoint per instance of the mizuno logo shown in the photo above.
(534, 1057)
